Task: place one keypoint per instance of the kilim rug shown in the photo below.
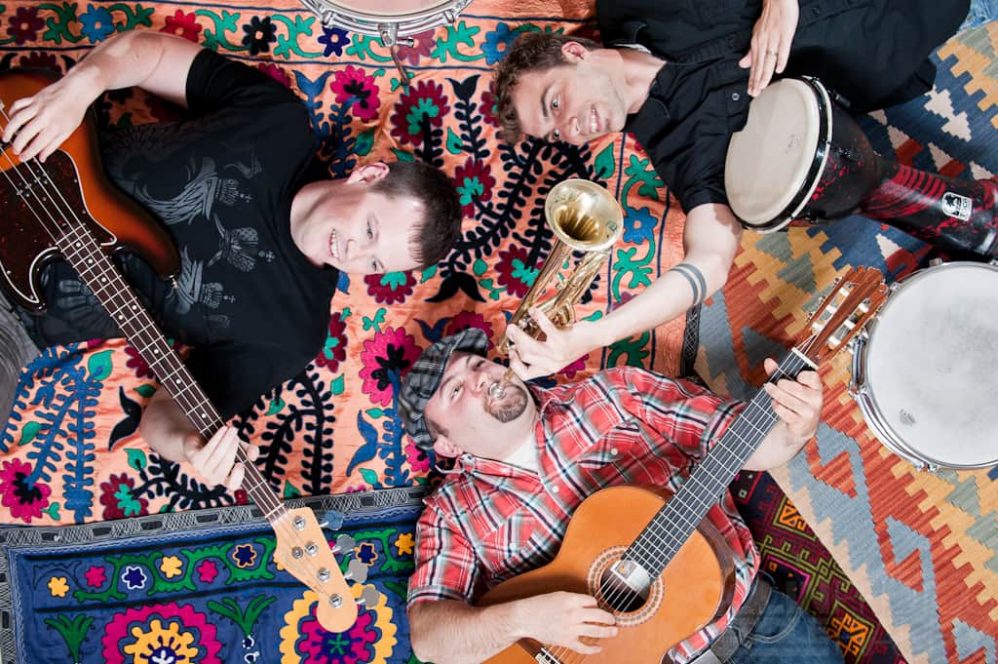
(200, 587)
(921, 547)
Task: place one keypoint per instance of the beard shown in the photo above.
(510, 407)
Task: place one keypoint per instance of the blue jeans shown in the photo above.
(785, 633)
(981, 12)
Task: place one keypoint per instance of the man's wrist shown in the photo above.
(86, 81)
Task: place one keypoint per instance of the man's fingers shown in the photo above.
(599, 631)
(236, 477)
(784, 55)
(543, 321)
(583, 649)
(784, 397)
(252, 452)
(18, 117)
(810, 378)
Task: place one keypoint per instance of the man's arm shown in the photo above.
(711, 240)
(452, 632)
(153, 61)
(171, 435)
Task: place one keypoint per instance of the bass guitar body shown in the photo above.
(36, 200)
(689, 594)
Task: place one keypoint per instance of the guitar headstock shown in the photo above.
(855, 298)
(302, 550)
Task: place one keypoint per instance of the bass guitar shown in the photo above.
(66, 208)
(650, 559)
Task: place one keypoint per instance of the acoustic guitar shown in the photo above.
(65, 207)
(649, 558)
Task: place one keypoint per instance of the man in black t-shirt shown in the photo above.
(680, 76)
(261, 238)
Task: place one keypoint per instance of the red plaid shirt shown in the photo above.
(491, 521)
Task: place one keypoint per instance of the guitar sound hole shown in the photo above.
(624, 587)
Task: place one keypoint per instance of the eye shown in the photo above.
(457, 389)
(370, 231)
(555, 104)
(374, 267)
(556, 135)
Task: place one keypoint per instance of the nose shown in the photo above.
(357, 250)
(571, 130)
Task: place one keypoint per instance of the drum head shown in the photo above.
(768, 161)
(932, 365)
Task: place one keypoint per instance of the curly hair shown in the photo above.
(531, 52)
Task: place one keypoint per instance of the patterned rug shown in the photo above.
(200, 587)
(70, 454)
(921, 547)
(800, 566)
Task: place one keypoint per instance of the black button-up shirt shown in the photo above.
(872, 52)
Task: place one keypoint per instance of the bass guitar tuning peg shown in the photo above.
(344, 543)
(356, 571)
(369, 598)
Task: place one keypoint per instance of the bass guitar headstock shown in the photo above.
(303, 551)
(854, 300)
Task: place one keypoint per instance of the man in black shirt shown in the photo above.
(719, 54)
(261, 238)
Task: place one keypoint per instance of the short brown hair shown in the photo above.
(432, 239)
(531, 52)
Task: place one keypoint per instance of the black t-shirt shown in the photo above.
(248, 301)
(873, 52)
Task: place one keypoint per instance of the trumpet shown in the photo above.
(584, 217)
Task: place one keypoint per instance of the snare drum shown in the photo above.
(800, 156)
(925, 371)
(394, 21)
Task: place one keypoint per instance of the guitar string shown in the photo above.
(567, 655)
(279, 523)
(274, 511)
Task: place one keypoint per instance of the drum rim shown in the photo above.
(862, 392)
(371, 24)
(818, 163)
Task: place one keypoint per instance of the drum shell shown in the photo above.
(852, 170)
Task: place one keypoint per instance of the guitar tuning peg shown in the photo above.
(369, 598)
(344, 543)
(324, 524)
(356, 571)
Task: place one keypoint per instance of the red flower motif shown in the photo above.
(474, 181)
(575, 367)
(422, 47)
(183, 25)
(419, 461)
(25, 498)
(390, 288)
(489, 108)
(334, 350)
(353, 647)
(118, 498)
(207, 571)
(513, 271)
(25, 24)
(275, 73)
(354, 87)
(386, 357)
(467, 319)
(95, 576)
(424, 106)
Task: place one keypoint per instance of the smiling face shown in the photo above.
(469, 419)
(577, 102)
(349, 225)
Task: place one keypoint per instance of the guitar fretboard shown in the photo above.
(93, 265)
(671, 526)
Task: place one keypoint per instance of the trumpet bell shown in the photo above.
(584, 215)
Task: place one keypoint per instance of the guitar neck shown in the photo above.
(675, 522)
(93, 265)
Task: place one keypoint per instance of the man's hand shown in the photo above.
(214, 461)
(38, 125)
(772, 37)
(530, 358)
(564, 619)
(796, 402)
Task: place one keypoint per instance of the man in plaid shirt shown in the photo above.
(527, 457)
